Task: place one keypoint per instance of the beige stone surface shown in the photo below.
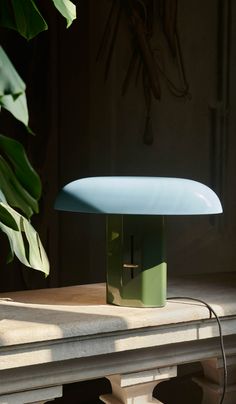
(39, 315)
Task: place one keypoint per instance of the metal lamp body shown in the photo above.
(136, 267)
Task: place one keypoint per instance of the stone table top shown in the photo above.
(51, 326)
(81, 311)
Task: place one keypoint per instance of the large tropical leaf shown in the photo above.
(12, 90)
(6, 218)
(18, 108)
(25, 242)
(10, 81)
(16, 154)
(67, 9)
(22, 16)
(20, 185)
(19, 182)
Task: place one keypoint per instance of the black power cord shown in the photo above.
(212, 311)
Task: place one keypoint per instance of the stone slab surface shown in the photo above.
(52, 314)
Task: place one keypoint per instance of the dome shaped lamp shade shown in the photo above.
(135, 209)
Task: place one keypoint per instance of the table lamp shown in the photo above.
(135, 236)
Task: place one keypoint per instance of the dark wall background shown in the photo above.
(192, 138)
(85, 127)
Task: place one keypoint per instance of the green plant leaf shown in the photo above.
(19, 182)
(12, 91)
(22, 16)
(29, 20)
(15, 194)
(25, 244)
(10, 81)
(7, 219)
(18, 108)
(24, 171)
(67, 9)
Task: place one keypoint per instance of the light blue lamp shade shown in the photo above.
(138, 196)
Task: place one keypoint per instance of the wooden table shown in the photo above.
(52, 337)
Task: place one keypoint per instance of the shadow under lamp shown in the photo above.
(135, 208)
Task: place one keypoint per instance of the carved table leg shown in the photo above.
(137, 388)
(212, 381)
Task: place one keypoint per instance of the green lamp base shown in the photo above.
(136, 267)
